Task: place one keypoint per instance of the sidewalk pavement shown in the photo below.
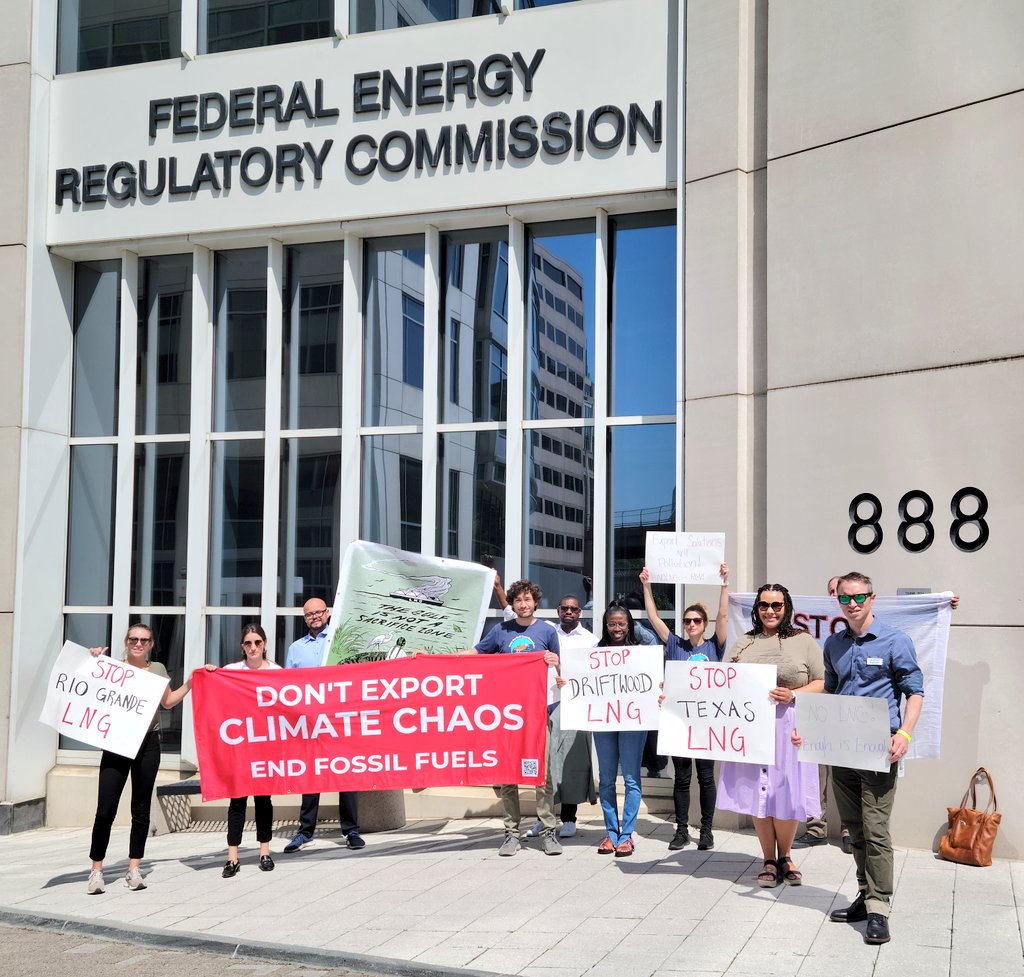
(435, 897)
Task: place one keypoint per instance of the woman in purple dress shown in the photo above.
(777, 797)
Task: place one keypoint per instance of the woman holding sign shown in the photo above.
(777, 797)
(622, 748)
(115, 770)
(254, 656)
(694, 647)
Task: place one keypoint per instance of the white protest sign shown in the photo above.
(718, 711)
(611, 688)
(101, 702)
(685, 557)
(844, 731)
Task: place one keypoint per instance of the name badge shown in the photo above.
(874, 661)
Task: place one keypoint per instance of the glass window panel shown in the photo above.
(240, 336)
(530, 4)
(392, 498)
(97, 333)
(160, 525)
(643, 316)
(236, 24)
(376, 15)
(91, 525)
(472, 496)
(310, 534)
(90, 631)
(642, 499)
(392, 343)
(311, 381)
(475, 303)
(560, 316)
(560, 511)
(163, 400)
(101, 34)
(290, 628)
(224, 638)
(236, 524)
(169, 650)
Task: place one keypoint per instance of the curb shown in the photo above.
(357, 963)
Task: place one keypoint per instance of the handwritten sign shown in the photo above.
(611, 688)
(685, 557)
(844, 731)
(718, 711)
(100, 701)
(390, 602)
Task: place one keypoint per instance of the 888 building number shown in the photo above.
(968, 530)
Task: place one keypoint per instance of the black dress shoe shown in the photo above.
(807, 840)
(230, 870)
(266, 863)
(854, 913)
(355, 840)
(877, 929)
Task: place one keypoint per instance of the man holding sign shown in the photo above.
(869, 658)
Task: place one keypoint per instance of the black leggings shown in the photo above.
(114, 771)
(264, 819)
(681, 790)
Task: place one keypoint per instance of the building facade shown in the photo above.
(284, 275)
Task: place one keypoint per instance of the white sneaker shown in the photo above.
(567, 830)
(536, 830)
(134, 879)
(96, 884)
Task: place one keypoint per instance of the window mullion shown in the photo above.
(352, 303)
(124, 484)
(201, 415)
(431, 378)
(272, 433)
(602, 354)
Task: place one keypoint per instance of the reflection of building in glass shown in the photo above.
(560, 473)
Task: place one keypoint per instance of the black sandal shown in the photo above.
(791, 876)
(768, 877)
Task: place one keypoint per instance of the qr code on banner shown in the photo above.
(531, 768)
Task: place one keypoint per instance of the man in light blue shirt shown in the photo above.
(308, 652)
(870, 658)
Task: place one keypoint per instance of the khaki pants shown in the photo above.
(509, 794)
(865, 800)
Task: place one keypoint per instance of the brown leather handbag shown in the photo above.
(972, 832)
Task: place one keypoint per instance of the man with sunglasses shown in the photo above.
(308, 652)
(870, 658)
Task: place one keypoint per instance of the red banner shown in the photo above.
(429, 721)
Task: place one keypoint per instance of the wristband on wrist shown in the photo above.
(904, 733)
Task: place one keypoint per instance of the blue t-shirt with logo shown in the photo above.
(680, 650)
(509, 638)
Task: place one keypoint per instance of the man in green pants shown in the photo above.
(870, 658)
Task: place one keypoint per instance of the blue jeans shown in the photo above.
(625, 749)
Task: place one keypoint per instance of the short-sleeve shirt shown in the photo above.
(242, 664)
(680, 650)
(798, 657)
(510, 638)
(155, 668)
